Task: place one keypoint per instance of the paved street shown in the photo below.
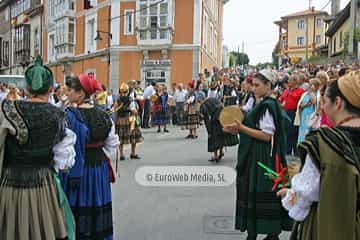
(173, 213)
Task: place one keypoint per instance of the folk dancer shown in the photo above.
(217, 138)
(87, 185)
(35, 145)
(262, 138)
(324, 196)
(160, 107)
(191, 110)
(126, 122)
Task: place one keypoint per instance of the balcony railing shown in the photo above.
(155, 36)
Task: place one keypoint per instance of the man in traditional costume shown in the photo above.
(324, 196)
(127, 126)
(35, 144)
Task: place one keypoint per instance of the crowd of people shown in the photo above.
(56, 142)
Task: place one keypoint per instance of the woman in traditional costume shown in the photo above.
(160, 107)
(324, 196)
(306, 108)
(262, 139)
(217, 139)
(192, 111)
(126, 125)
(88, 183)
(35, 145)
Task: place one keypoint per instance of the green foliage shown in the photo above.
(231, 61)
(240, 58)
(275, 57)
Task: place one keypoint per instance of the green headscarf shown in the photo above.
(39, 78)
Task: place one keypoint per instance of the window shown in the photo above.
(57, 8)
(64, 37)
(19, 6)
(22, 43)
(300, 41)
(51, 46)
(5, 53)
(318, 39)
(36, 42)
(334, 46)
(205, 31)
(301, 24)
(91, 27)
(156, 75)
(129, 22)
(90, 4)
(341, 39)
(318, 22)
(154, 20)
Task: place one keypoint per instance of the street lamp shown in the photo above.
(98, 36)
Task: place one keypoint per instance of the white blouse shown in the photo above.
(305, 189)
(64, 152)
(111, 142)
(266, 123)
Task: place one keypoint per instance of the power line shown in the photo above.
(326, 5)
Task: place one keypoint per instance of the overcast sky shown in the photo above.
(252, 21)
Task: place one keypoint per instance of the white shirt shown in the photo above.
(109, 100)
(306, 185)
(179, 96)
(212, 93)
(148, 92)
(266, 123)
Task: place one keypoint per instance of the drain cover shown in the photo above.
(220, 225)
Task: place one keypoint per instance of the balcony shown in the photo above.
(162, 62)
(65, 9)
(154, 37)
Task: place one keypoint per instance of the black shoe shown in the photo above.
(213, 159)
(165, 130)
(194, 137)
(251, 238)
(189, 136)
(158, 130)
(122, 158)
(135, 156)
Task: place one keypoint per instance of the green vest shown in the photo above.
(336, 215)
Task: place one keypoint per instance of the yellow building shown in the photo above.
(292, 34)
(338, 32)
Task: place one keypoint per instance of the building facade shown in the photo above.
(20, 34)
(71, 45)
(294, 35)
(166, 41)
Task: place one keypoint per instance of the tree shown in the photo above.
(231, 61)
(240, 58)
(275, 55)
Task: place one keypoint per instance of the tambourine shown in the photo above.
(230, 114)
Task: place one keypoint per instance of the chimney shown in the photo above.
(335, 7)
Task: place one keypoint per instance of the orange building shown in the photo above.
(166, 41)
